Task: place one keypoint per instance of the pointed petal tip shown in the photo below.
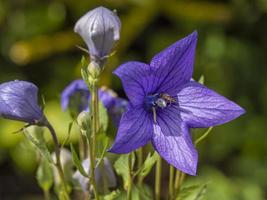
(194, 36)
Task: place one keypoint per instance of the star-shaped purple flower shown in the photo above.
(165, 103)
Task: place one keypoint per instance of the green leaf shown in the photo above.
(39, 145)
(201, 80)
(44, 175)
(102, 142)
(113, 195)
(84, 71)
(144, 192)
(104, 150)
(68, 136)
(121, 167)
(83, 62)
(77, 161)
(148, 164)
(103, 117)
(194, 192)
(201, 192)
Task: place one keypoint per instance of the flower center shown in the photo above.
(157, 100)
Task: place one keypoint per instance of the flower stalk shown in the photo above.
(92, 140)
(158, 178)
(58, 162)
(171, 183)
(139, 164)
(179, 179)
(129, 189)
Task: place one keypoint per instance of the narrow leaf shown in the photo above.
(77, 161)
(103, 117)
(68, 136)
(44, 175)
(148, 164)
(193, 192)
(40, 146)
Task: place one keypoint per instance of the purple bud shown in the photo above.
(116, 106)
(75, 96)
(19, 101)
(100, 29)
(107, 97)
(103, 171)
(119, 107)
(67, 165)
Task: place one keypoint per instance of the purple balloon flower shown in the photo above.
(18, 101)
(76, 96)
(115, 106)
(165, 103)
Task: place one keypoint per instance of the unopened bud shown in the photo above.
(84, 120)
(94, 69)
(100, 29)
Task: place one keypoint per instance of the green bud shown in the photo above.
(84, 120)
(94, 69)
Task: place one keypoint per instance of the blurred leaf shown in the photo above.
(148, 164)
(77, 161)
(113, 195)
(84, 73)
(103, 117)
(40, 145)
(201, 80)
(144, 192)
(44, 175)
(104, 150)
(194, 192)
(68, 136)
(121, 167)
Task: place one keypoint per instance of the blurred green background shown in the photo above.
(37, 44)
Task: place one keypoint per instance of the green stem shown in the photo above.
(92, 140)
(158, 178)
(202, 137)
(129, 189)
(58, 163)
(171, 185)
(139, 164)
(179, 179)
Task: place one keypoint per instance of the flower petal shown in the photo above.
(18, 101)
(135, 130)
(76, 86)
(136, 79)
(172, 140)
(202, 107)
(174, 65)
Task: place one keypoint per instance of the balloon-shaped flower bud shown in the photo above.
(67, 165)
(104, 174)
(75, 97)
(116, 106)
(19, 101)
(100, 29)
(84, 120)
